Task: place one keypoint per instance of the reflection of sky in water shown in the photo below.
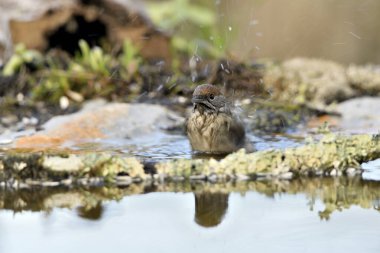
(164, 222)
(371, 170)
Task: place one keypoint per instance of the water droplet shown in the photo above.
(160, 87)
(355, 35)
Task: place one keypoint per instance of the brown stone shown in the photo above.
(114, 121)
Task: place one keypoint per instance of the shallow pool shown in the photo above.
(303, 215)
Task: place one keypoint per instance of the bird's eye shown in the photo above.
(211, 96)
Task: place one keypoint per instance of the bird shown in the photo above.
(213, 126)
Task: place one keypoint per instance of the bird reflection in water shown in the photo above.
(210, 208)
(91, 213)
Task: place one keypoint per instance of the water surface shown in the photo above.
(308, 215)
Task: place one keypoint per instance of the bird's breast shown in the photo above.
(212, 132)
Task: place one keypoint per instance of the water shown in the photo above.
(304, 215)
(371, 170)
(161, 146)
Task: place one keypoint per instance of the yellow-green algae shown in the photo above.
(333, 153)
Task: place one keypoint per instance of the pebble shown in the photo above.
(212, 178)
(178, 178)
(30, 121)
(82, 181)
(95, 181)
(68, 181)
(351, 171)
(24, 185)
(137, 180)
(182, 100)
(50, 183)
(14, 185)
(335, 173)
(242, 177)
(263, 175)
(32, 182)
(123, 180)
(64, 102)
(286, 175)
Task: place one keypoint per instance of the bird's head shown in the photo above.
(208, 98)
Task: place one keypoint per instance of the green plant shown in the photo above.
(93, 58)
(20, 57)
(92, 72)
(194, 26)
(129, 59)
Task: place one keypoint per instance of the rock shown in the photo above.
(124, 180)
(352, 171)
(242, 177)
(114, 120)
(312, 81)
(365, 79)
(286, 175)
(50, 184)
(5, 141)
(360, 115)
(43, 25)
(62, 164)
(333, 173)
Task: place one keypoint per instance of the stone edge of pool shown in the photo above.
(332, 155)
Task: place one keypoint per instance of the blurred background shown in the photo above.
(341, 30)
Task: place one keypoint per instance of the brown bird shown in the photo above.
(213, 127)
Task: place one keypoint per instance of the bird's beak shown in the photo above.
(202, 100)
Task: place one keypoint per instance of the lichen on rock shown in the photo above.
(333, 154)
(304, 80)
(364, 79)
